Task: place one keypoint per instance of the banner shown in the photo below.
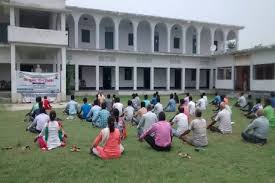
(31, 82)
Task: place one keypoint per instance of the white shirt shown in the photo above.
(129, 113)
(242, 101)
(223, 119)
(158, 108)
(119, 107)
(206, 100)
(192, 108)
(147, 120)
(181, 121)
(201, 105)
(41, 120)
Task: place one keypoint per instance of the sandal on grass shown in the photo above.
(75, 149)
(184, 155)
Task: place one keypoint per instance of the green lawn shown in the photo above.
(226, 159)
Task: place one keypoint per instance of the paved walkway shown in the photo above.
(21, 107)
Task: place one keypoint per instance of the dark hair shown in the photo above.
(145, 97)
(108, 96)
(114, 96)
(129, 102)
(187, 94)
(72, 97)
(111, 124)
(85, 100)
(249, 96)
(198, 113)
(133, 95)
(95, 102)
(201, 95)
(181, 101)
(116, 114)
(149, 107)
(154, 95)
(258, 100)
(136, 94)
(242, 94)
(272, 94)
(157, 92)
(267, 102)
(42, 110)
(103, 105)
(190, 98)
(40, 105)
(171, 96)
(216, 93)
(181, 109)
(117, 99)
(45, 97)
(38, 99)
(158, 99)
(52, 115)
(162, 116)
(142, 104)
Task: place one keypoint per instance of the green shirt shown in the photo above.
(269, 114)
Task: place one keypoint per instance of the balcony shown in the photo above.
(37, 36)
(40, 4)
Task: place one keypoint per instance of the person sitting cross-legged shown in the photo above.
(111, 142)
(118, 105)
(147, 120)
(160, 135)
(201, 104)
(39, 122)
(198, 127)
(158, 107)
(71, 108)
(252, 114)
(171, 106)
(85, 109)
(146, 101)
(241, 102)
(138, 115)
(181, 120)
(269, 112)
(101, 118)
(249, 105)
(223, 120)
(257, 131)
(129, 112)
(92, 115)
(217, 100)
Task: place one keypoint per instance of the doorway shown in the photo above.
(146, 77)
(177, 78)
(204, 78)
(156, 43)
(107, 78)
(109, 40)
(242, 75)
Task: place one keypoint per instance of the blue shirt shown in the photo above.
(94, 112)
(72, 107)
(147, 102)
(217, 99)
(154, 101)
(171, 106)
(273, 102)
(102, 118)
(85, 108)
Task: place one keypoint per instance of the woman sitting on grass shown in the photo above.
(52, 135)
(110, 139)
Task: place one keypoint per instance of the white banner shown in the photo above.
(31, 82)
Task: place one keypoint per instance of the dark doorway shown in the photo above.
(107, 78)
(147, 77)
(242, 75)
(156, 43)
(109, 40)
(204, 78)
(27, 67)
(4, 32)
(177, 78)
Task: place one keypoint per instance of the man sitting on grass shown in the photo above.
(217, 100)
(138, 115)
(198, 127)
(39, 122)
(158, 107)
(223, 119)
(241, 102)
(160, 135)
(181, 120)
(257, 131)
(85, 109)
(129, 112)
(101, 118)
(252, 114)
(249, 105)
(147, 120)
(71, 107)
(201, 104)
(118, 105)
(171, 106)
(92, 115)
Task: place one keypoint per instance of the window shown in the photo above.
(216, 44)
(130, 39)
(176, 43)
(264, 72)
(3, 32)
(128, 74)
(85, 36)
(194, 45)
(224, 73)
(193, 75)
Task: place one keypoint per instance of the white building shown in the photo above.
(120, 51)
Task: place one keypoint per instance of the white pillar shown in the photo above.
(117, 34)
(212, 39)
(117, 77)
(198, 78)
(97, 77)
(76, 76)
(97, 33)
(63, 74)
(232, 77)
(183, 79)
(199, 40)
(76, 28)
(183, 39)
(153, 37)
(135, 78)
(168, 78)
(13, 73)
(225, 34)
(12, 16)
(211, 79)
(17, 17)
(63, 21)
(135, 26)
(152, 78)
(169, 38)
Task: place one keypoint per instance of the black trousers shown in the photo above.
(253, 139)
(151, 141)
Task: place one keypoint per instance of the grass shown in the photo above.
(226, 159)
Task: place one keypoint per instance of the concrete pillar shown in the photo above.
(135, 26)
(198, 78)
(168, 78)
(183, 79)
(63, 74)
(13, 74)
(135, 78)
(97, 77)
(76, 76)
(169, 38)
(152, 36)
(117, 34)
(232, 77)
(199, 40)
(76, 34)
(225, 34)
(63, 22)
(212, 37)
(117, 77)
(12, 16)
(17, 17)
(152, 78)
(211, 78)
(184, 39)
(97, 33)
(18, 66)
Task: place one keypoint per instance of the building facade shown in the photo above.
(104, 50)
